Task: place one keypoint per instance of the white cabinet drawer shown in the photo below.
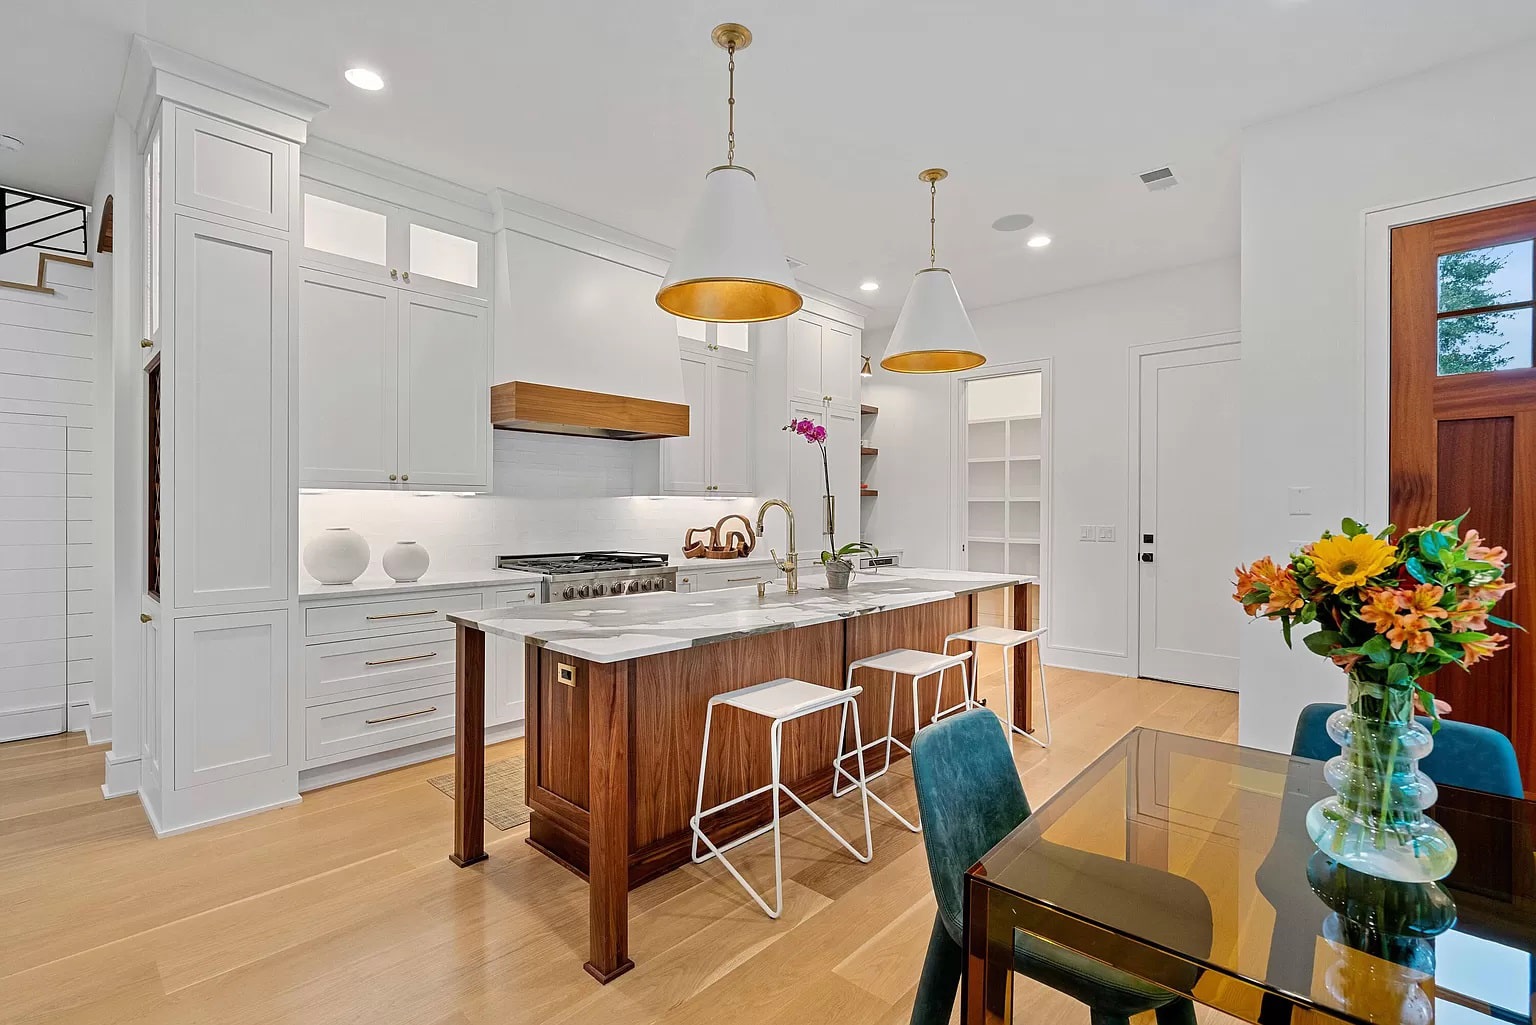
(419, 612)
(343, 729)
(528, 595)
(373, 664)
(743, 576)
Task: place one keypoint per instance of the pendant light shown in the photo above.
(730, 268)
(933, 334)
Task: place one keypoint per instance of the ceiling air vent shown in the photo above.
(1158, 180)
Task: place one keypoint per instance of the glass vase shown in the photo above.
(1375, 822)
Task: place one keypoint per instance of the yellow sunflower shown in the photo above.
(1347, 562)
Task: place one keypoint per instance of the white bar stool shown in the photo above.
(779, 701)
(919, 665)
(1008, 640)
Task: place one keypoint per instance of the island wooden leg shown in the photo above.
(469, 748)
(608, 822)
(1026, 599)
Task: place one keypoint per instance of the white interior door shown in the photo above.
(33, 655)
(1188, 540)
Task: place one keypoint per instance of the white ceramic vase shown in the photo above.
(406, 561)
(337, 555)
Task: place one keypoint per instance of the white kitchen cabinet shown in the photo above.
(230, 696)
(394, 386)
(734, 575)
(716, 457)
(348, 381)
(688, 581)
(504, 665)
(823, 360)
(230, 401)
(231, 171)
(388, 244)
(445, 394)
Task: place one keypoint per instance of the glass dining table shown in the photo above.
(1252, 919)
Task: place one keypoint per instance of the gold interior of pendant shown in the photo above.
(932, 361)
(729, 300)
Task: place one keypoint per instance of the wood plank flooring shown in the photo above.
(344, 908)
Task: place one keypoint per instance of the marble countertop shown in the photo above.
(616, 629)
(374, 584)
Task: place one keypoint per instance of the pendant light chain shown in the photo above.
(933, 200)
(730, 106)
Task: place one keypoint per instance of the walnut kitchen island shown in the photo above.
(616, 695)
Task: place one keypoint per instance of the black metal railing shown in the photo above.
(41, 222)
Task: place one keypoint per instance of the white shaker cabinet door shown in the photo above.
(348, 381)
(685, 461)
(804, 358)
(230, 696)
(229, 350)
(445, 421)
(840, 363)
(730, 427)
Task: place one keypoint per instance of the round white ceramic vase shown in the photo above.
(406, 561)
(337, 555)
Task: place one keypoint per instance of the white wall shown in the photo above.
(552, 494)
(1086, 334)
(48, 366)
(1308, 181)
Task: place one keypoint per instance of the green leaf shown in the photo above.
(1397, 674)
(1324, 641)
(1432, 543)
(1417, 570)
(1506, 624)
(1285, 629)
(1378, 650)
(1351, 528)
(1466, 637)
(1427, 699)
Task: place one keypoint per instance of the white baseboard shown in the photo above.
(79, 716)
(25, 723)
(122, 776)
(1088, 661)
(162, 833)
(357, 768)
(98, 728)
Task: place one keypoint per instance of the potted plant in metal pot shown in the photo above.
(836, 561)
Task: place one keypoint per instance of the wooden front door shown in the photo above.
(1463, 426)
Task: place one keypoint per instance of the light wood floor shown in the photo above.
(345, 909)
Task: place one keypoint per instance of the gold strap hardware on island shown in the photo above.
(565, 673)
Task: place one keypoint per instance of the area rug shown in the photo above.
(504, 807)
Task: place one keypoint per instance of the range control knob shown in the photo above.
(569, 594)
(584, 591)
(599, 589)
(645, 585)
(631, 586)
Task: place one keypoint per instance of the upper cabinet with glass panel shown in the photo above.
(367, 238)
(1484, 309)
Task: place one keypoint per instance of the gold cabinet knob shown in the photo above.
(147, 343)
(406, 275)
(393, 477)
(394, 275)
(405, 476)
(145, 617)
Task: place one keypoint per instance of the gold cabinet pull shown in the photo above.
(739, 580)
(402, 658)
(403, 615)
(145, 617)
(146, 343)
(402, 715)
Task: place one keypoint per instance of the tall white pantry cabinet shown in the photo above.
(220, 156)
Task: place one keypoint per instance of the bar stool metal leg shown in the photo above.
(1045, 701)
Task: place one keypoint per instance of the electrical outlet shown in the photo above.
(1300, 500)
(1107, 532)
(1086, 532)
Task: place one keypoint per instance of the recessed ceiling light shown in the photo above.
(1012, 222)
(365, 79)
(1038, 241)
(870, 286)
(10, 142)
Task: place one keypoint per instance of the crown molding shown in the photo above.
(157, 72)
(348, 168)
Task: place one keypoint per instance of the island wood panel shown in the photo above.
(1025, 601)
(922, 627)
(672, 692)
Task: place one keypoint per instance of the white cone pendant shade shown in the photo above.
(933, 334)
(730, 268)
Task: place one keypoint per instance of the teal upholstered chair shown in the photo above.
(1465, 756)
(970, 798)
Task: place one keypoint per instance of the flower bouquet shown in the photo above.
(1391, 614)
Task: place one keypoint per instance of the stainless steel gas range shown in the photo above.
(573, 576)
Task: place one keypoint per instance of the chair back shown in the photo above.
(1465, 756)
(969, 797)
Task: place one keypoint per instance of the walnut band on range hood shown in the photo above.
(547, 409)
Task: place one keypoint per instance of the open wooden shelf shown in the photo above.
(869, 410)
(868, 492)
(867, 451)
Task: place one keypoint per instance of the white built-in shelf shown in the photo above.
(987, 498)
(1005, 508)
(988, 459)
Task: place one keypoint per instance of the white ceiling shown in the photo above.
(616, 110)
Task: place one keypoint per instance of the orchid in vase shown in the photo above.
(1392, 613)
(836, 561)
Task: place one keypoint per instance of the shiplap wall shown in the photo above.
(47, 347)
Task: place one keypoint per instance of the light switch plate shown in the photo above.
(1107, 532)
(1085, 532)
(1300, 500)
